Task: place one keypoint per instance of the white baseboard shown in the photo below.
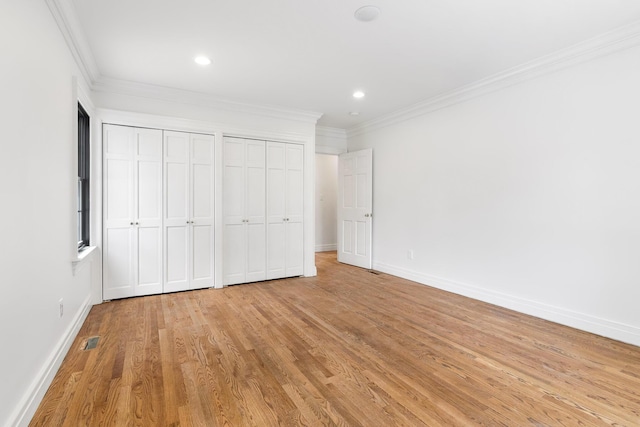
(606, 328)
(325, 248)
(32, 398)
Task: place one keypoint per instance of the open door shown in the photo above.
(355, 194)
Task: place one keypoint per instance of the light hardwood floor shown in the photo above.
(345, 348)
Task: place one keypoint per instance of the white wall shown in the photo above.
(37, 193)
(326, 200)
(527, 197)
(330, 140)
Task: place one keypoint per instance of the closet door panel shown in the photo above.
(148, 206)
(256, 252)
(176, 211)
(149, 200)
(176, 191)
(118, 213)
(276, 209)
(202, 249)
(276, 200)
(118, 262)
(255, 182)
(276, 250)
(235, 248)
(294, 249)
(255, 211)
(233, 203)
(176, 259)
(201, 207)
(149, 260)
(295, 182)
(118, 190)
(118, 175)
(233, 197)
(295, 210)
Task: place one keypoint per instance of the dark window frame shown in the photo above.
(84, 173)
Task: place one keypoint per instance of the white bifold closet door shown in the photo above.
(188, 211)
(244, 240)
(132, 212)
(284, 210)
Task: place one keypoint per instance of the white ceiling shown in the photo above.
(312, 54)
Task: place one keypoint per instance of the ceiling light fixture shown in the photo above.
(367, 13)
(354, 113)
(202, 60)
(358, 94)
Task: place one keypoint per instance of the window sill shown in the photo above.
(81, 257)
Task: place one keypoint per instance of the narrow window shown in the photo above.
(84, 162)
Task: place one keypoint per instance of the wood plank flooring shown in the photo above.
(346, 348)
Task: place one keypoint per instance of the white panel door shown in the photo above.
(233, 203)
(276, 210)
(256, 266)
(294, 210)
(118, 213)
(244, 240)
(201, 212)
(355, 194)
(147, 154)
(284, 210)
(176, 211)
(132, 212)
(188, 210)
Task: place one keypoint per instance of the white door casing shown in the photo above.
(355, 197)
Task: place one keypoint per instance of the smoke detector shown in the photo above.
(367, 13)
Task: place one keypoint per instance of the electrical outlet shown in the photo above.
(410, 255)
(61, 307)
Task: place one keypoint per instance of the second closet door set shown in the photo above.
(263, 210)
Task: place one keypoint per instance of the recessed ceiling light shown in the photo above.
(358, 94)
(202, 60)
(367, 13)
(354, 113)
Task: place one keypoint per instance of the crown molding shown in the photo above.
(331, 132)
(154, 121)
(65, 16)
(330, 140)
(143, 90)
(604, 44)
(67, 19)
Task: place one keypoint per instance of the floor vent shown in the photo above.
(92, 343)
(374, 272)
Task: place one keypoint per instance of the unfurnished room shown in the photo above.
(319, 213)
